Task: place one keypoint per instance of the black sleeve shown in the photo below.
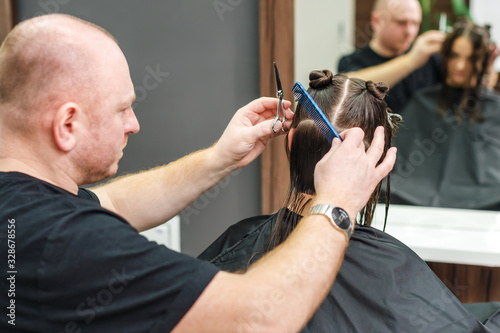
(341, 67)
(100, 274)
(348, 64)
(87, 194)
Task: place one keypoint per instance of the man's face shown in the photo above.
(111, 120)
(460, 65)
(397, 25)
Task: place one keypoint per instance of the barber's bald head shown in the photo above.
(393, 5)
(48, 60)
(65, 100)
(395, 26)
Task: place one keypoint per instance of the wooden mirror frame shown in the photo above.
(7, 17)
(276, 45)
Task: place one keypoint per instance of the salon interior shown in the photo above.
(195, 63)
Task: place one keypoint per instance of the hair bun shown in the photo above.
(320, 79)
(378, 90)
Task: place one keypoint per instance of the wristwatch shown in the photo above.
(339, 217)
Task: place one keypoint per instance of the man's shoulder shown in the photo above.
(41, 206)
(359, 59)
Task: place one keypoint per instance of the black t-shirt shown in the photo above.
(399, 94)
(80, 268)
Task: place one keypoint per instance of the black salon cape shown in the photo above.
(444, 162)
(382, 286)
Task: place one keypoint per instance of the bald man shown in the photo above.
(73, 258)
(388, 57)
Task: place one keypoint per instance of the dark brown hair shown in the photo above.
(346, 102)
(480, 38)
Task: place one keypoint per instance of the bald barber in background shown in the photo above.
(388, 57)
(80, 264)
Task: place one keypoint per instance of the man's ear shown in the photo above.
(374, 20)
(65, 124)
(379, 19)
(290, 137)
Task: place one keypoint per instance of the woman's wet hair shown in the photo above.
(346, 102)
(479, 36)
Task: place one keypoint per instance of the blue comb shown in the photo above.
(315, 112)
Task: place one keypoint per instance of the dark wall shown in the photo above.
(206, 60)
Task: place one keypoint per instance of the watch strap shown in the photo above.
(339, 217)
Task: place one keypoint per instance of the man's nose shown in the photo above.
(131, 123)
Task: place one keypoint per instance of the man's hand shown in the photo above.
(425, 46)
(491, 75)
(347, 175)
(249, 131)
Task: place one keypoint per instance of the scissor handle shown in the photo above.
(280, 113)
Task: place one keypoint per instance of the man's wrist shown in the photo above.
(411, 60)
(218, 162)
(348, 207)
(337, 216)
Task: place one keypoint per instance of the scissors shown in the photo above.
(280, 113)
(442, 22)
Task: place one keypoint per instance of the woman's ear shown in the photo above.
(290, 137)
(65, 124)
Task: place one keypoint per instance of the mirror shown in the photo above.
(326, 30)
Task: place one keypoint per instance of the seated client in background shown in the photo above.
(449, 144)
(382, 285)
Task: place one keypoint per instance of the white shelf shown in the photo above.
(459, 236)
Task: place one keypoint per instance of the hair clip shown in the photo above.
(389, 118)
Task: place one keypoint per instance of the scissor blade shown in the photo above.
(277, 77)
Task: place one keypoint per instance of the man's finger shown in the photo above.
(353, 137)
(265, 128)
(386, 165)
(376, 148)
(265, 103)
(335, 145)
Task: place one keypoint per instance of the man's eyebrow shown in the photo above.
(130, 100)
(126, 103)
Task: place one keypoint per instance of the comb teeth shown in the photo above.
(315, 112)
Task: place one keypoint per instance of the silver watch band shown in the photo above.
(339, 217)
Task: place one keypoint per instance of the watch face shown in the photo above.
(341, 217)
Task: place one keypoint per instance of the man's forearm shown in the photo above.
(305, 266)
(280, 292)
(393, 71)
(149, 198)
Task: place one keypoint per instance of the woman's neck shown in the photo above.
(301, 208)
